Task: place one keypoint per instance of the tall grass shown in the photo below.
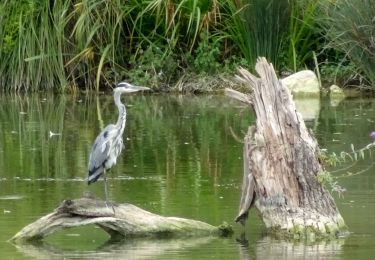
(99, 46)
(349, 28)
(260, 28)
(303, 37)
(34, 56)
(181, 22)
(59, 45)
(92, 44)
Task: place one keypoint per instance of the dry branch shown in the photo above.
(237, 95)
(121, 220)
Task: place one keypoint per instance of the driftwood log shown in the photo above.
(281, 162)
(119, 221)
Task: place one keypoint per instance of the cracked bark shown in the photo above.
(281, 162)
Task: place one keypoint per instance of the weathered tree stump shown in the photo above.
(281, 162)
(119, 221)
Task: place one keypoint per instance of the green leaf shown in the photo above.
(100, 67)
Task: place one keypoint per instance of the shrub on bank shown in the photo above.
(87, 44)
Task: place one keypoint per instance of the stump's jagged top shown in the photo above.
(281, 162)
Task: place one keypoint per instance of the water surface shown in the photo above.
(182, 158)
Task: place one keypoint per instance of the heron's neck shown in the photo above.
(121, 112)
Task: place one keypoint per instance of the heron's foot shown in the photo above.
(110, 205)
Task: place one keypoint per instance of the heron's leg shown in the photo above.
(106, 192)
(105, 187)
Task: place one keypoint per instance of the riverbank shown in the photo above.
(68, 46)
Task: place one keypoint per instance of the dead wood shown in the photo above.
(119, 221)
(281, 162)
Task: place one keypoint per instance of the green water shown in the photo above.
(181, 158)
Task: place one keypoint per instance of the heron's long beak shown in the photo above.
(141, 88)
(138, 88)
(130, 87)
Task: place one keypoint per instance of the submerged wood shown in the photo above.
(281, 162)
(119, 221)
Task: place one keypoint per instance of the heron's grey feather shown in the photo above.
(109, 142)
(108, 145)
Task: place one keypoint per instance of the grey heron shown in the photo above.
(108, 144)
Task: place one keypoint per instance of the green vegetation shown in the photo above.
(303, 37)
(349, 29)
(87, 44)
(265, 29)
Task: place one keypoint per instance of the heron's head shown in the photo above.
(125, 87)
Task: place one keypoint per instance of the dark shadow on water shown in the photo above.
(246, 250)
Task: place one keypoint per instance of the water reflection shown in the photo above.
(265, 248)
(175, 160)
(271, 248)
(129, 249)
(50, 136)
(180, 159)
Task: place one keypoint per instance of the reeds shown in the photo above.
(349, 28)
(303, 34)
(59, 45)
(34, 57)
(260, 28)
(92, 44)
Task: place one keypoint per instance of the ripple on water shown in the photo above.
(11, 197)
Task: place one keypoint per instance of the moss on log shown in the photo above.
(119, 221)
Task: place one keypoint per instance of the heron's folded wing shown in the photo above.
(100, 150)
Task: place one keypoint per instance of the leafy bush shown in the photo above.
(207, 54)
(153, 67)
